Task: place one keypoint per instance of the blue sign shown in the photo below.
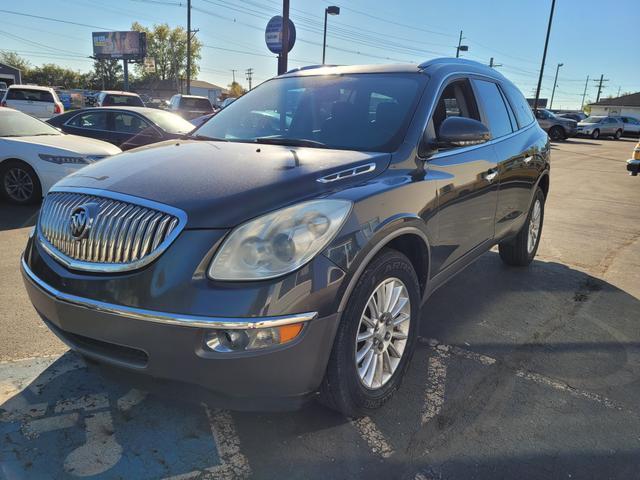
(273, 35)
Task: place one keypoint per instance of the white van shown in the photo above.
(40, 102)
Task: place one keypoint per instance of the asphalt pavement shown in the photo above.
(520, 373)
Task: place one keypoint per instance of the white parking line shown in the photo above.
(130, 399)
(436, 378)
(86, 402)
(373, 436)
(34, 428)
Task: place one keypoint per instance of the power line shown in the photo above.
(51, 19)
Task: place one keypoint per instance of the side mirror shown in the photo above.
(462, 132)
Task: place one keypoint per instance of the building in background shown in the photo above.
(10, 75)
(205, 89)
(626, 105)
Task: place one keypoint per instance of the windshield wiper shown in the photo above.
(293, 142)
(204, 137)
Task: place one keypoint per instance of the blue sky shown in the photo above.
(588, 37)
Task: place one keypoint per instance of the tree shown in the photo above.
(236, 90)
(15, 60)
(169, 49)
(53, 75)
(107, 74)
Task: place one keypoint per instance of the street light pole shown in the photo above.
(188, 47)
(544, 57)
(555, 80)
(332, 10)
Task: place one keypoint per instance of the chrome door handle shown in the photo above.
(491, 175)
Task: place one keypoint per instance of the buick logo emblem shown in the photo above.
(80, 222)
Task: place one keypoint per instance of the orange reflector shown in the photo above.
(289, 332)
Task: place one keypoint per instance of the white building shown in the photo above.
(626, 105)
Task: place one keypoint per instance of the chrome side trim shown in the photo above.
(349, 172)
(102, 265)
(165, 318)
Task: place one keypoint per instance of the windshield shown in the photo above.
(593, 119)
(18, 124)
(367, 112)
(119, 100)
(169, 122)
(196, 103)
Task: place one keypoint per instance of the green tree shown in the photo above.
(107, 74)
(15, 60)
(168, 46)
(53, 75)
(236, 90)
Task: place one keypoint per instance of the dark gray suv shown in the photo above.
(284, 250)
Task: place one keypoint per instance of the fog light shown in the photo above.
(250, 339)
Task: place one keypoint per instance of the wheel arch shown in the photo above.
(409, 240)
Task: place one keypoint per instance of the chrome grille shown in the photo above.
(124, 232)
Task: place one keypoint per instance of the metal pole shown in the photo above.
(544, 57)
(188, 47)
(324, 40)
(600, 87)
(125, 64)
(459, 43)
(555, 80)
(584, 94)
(284, 56)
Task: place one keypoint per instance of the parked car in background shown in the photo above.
(39, 102)
(557, 128)
(275, 260)
(633, 164)
(601, 126)
(109, 98)
(126, 127)
(190, 106)
(631, 125)
(578, 117)
(227, 101)
(34, 155)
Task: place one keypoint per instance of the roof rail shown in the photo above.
(309, 67)
(443, 60)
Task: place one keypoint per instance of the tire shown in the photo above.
(595, 134)
(618, 134)
(518, 251)
(344, 389)
(556, 133)
(19, 183)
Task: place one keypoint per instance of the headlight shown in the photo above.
(60, 159)
(279, 242)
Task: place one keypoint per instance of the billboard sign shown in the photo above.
(127, 45)
(273, 35)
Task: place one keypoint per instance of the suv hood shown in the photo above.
(222, 184)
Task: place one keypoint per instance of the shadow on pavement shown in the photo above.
(65, 421)
(17, 216)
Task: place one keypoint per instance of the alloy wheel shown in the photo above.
(18, 184)
(383, 333)
(534, 226)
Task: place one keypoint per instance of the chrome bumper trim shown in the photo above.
(197, 321)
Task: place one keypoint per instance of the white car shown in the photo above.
(40, 102)
(35, 155)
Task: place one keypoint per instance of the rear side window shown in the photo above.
(28, 94)
(93, 120)
(120, 100)
(494, 108)
(520, 106)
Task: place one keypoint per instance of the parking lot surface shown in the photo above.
(520, 373)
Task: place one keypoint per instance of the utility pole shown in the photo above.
(600, 86)
(249, 76)
(460, 47)
(284, 55)
(544, 57)
(188, 47)
(555, 81)
(492, 64)
(584, 94)
(233, 73)
(618, 91)
(125, 65)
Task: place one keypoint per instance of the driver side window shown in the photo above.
(456, 100)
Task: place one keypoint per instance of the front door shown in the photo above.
(467, 185)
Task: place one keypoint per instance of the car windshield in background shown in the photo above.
(196, 104)
(366, 112)
(17, 124)
(119, 100)
(169, 122)
(593, 119)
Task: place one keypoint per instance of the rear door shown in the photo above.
(131, 130)
(468, 188)
(92, 124)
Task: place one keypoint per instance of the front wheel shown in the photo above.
(556, 133)
(618, 134)
(520, 250)
(595, 134)
(19, 183)
(376, 337)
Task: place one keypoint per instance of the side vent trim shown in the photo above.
(348, 173)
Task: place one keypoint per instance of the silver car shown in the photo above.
(631, 125)
(556, 127)
(597, 127)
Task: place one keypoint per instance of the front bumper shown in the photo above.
(149, 346)
(633, 167)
